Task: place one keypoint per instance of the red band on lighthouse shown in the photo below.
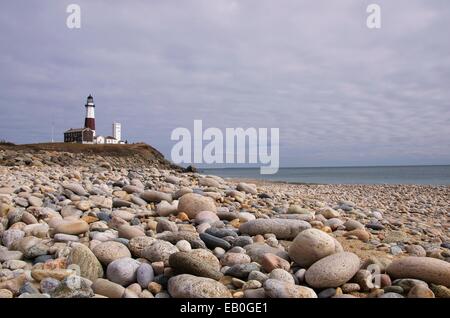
(89, 123)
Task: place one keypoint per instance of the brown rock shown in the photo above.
(333, 270)
(72, 227)
(361, 234)
(107, 288)
(430, 270)
(310, 246)
(271, 261)
(192, 204)
(189, 286)
(59, 274)
(14, 284)
(107, 252)
(87, 262)
(129, 232)
(420, 291)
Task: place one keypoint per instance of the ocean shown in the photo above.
(431, 175)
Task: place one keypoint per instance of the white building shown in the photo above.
(117, 131)
(99, 140)
(114, 139)
(111, 140)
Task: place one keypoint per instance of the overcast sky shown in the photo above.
(340, 93)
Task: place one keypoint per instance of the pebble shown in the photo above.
(132, 189)
(364, 279)
(88, 264)
(192, 204)
(14, 264)
(156, 196)
(242, 270)
(11, 236)
(159, 251)
(206, 217)
(75, 227)
(190, 236)
(196, 263)
(124, 215)
(361, 234)
(312, 245)
(138, 244)
(14, 284)
(59, 274)
(107, 252)
(107, 288)
(247, 188)
(166, 225)
(123, 271)
(183, 246)
(440, 291)
(75, 188)
(282, 275)
(21, 202)
(280, 289)
(282, 228)
(165, 208)
(333, 270)
(28, 288)
(145, 275)
(49, 284)
(328, 213)
(395, 250)
(5, 293)
(230, 259)
(73, 287)
(242, 241)
(407, 283)
(221, 232)
(209, 182)
(430, 270)
(391, 295)
(375, 226)
(257, 250)
(129, 232)
(350, 287)
(270, 261)
(60, 237)
(393, 289)
(189, 286)
(255, 293)
(327, 293)
(212, 242)
(420, 292)
(416, 250)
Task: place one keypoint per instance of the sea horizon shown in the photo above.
(408, 174)
(357, 166)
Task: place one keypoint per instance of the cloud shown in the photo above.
(340, 93)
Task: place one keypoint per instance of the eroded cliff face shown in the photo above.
(65, 154)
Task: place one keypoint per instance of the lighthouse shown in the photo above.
(89, 121)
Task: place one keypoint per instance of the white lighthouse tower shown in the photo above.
(117, 131)
(89, 121)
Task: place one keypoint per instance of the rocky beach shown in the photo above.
(122, 222)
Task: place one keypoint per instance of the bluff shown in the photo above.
(138, 155)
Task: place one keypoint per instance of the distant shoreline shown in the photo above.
(371, 175)
(334, 167)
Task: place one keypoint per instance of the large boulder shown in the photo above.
(193, 203)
